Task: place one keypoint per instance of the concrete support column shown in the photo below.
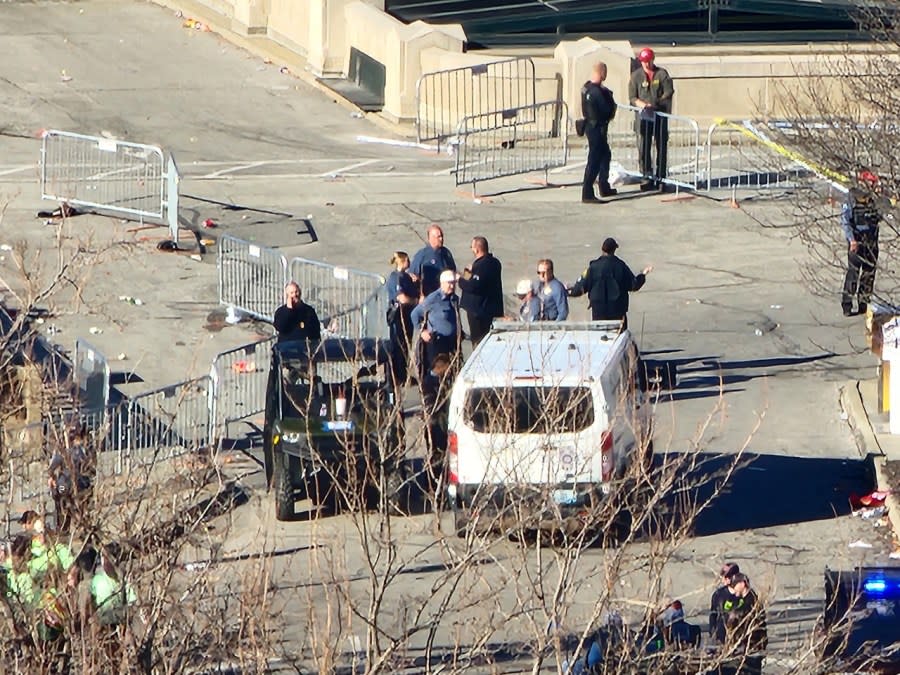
(251, 17)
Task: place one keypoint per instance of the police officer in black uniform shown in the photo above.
(598, 108)
(860, 217)
(607, 281)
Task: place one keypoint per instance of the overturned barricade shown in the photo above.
(129, 180)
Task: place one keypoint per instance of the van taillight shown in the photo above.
(452, 459)
(607, 461)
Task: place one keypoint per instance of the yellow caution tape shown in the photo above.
(747, 129)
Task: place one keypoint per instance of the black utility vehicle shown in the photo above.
(861, 624)
(333, 431)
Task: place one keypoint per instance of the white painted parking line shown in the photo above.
(318, 177)
(232, 169)
(568, 167)
(17, 169)
(348, 168)
(262, 162)
(399, 143)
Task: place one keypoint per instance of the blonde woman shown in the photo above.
(403, 295)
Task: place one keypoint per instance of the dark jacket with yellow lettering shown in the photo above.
(658, 92)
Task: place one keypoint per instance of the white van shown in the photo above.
(552, 410)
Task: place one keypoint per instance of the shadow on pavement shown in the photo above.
(713, 376)
(774, 490)
(688, 395)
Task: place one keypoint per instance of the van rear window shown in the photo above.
(529, 410)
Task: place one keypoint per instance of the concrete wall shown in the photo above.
(710, 81)
(399, 47)
(316, 29)
(743, 82)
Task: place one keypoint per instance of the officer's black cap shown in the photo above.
(609, 245)
(730, 569)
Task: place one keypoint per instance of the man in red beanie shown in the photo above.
(651, 90)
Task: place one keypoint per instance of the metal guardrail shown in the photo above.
(341, 296)
(445, 97)
(251, 278)
(535, 140)
(239, 378)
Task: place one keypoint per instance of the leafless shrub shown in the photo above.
(148, 516)
(841, 124)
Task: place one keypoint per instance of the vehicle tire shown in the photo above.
(284, 486)
(460, 521)
(268, 458)
(647, 459)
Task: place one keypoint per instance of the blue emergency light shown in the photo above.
(876, 585)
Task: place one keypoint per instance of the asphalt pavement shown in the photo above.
(762, 361)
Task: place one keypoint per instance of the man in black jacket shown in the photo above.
(598, 108)
(745, 624)
(717, 602)
(295, 320)
(482, 290)
(607, 282)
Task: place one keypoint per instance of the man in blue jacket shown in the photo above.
(430, 261)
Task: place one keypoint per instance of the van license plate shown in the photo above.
(339, 425)
(565, 496)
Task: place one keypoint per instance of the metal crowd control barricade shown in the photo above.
(535, 140)
(131, 180)
(173, 181)
(251, 278)
(684, 151)
(91, 375)
(340, 295)
(683, 146)
(740, 155)
(623, 139)
(239, 378)
(445, 97)
(108, 433)
(169, 422)
(374, 314)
